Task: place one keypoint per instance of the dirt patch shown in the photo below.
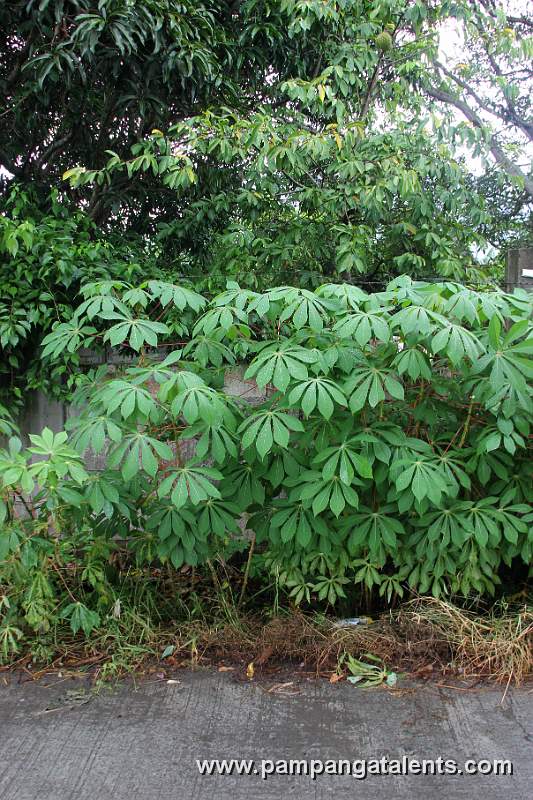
(424, 638)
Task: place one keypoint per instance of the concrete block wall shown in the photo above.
(519, 271)
(41, 411)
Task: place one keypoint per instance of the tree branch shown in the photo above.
(6, 162)
(53, 148)
(505, 116)
(499, 156)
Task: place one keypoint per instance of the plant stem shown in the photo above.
(467, 423)
(247, 570)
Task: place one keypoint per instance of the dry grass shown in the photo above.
(424, 635)
(497, 646)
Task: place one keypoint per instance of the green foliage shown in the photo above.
(337, 201)
(291, 146)
(362, 467)
(367, 673)
(47, 252)
(272, 143)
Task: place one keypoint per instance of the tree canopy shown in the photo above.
(274, 139)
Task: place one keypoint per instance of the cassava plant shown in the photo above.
(391, 451)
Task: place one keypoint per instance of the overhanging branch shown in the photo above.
(497, 152)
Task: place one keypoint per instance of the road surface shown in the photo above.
(62, 741)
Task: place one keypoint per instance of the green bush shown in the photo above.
(391, 451)
(47, 251)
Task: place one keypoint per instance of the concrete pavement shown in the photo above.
(61, 742)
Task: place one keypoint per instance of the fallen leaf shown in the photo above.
(278, 687)
(226, 669)
(250, 670)
(426, 668)
(265, 655)
(336, 677)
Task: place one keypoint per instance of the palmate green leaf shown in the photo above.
(414, 362)
(484, 521)
(168, 522)
(70, 495)
(179, 296)
(503, 434)
(297, 524)
(514, 524)
(281, 365)
(103, 288)
(379, 439)
(368, 386)
(481, 521)
(93, 432)
(223, 317)
(138, 332)
(139, 451)
(209, 350)
(338, 354)
(367, 573)
(102, 495)
(155, 371)
(179, 539)
(179, 382)
(414, 319)
(258, 303)
(422, 476)
(200, 402)
(364, 326)
(463, 305)
(317, 392)
(189, 484)
(509, 364)
(458, 343)
(57, 458)
(344, 461)
(14, 466)
(81, 618)
(67, 337)
(374, 532)
(244, 483)
(484, 465)
(454, 470)
(127, 398)
(101, 304)
(215, 440)
(304, 309)
(235, 296)
(508, 399)
(346, 295)
(445, 527)
(263, 429)
(281, 465)
(332, 493)
(136, 296)
(218, 517)
(331, 588)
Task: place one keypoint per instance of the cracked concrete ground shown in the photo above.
(60, 742)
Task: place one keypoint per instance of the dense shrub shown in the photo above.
(392, 450)
(47, 251)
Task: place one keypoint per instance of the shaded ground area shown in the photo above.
(60, 741)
